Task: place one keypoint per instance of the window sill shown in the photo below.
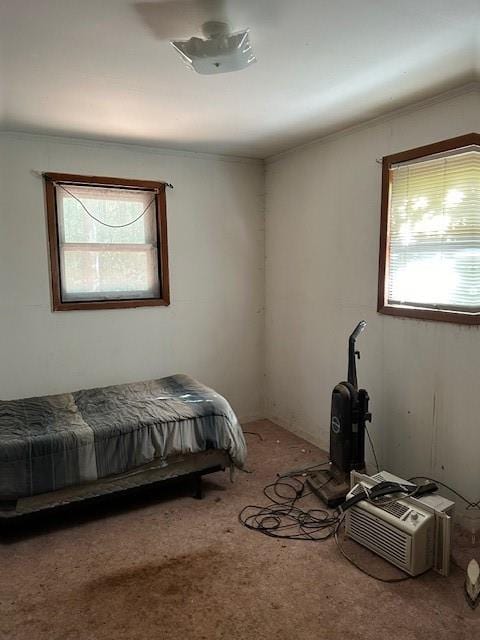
(430, 314)
(110, 304)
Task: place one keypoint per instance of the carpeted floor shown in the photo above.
(161, 565)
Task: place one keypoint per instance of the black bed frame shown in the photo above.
(195, 477)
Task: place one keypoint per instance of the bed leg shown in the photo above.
(198, 487)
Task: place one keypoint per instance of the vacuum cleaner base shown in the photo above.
(330, 485)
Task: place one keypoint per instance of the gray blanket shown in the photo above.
(51, 442)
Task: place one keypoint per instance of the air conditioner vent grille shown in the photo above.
(379, 477)
(395, 508)
(388, 542)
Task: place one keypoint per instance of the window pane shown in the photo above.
(99, 275)
(434, 232)
(454, 283)
(109, 205)
(101, 262)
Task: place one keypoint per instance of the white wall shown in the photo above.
(323, 205)
(214, 326)
(322, 231)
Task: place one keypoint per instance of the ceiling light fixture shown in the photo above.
(220, 51)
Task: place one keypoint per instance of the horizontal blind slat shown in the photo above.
(434, 232)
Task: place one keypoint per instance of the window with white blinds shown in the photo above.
(432, 247)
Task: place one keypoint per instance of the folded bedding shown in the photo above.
(52, 442)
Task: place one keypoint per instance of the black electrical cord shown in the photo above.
(282, 518)
(372, 448)
(469, 503)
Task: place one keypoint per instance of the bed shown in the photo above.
(68, 447)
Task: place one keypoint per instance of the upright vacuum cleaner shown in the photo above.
(349, 414)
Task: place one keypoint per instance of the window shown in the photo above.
(108, 242)
(430, 232)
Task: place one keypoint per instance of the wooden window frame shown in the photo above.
(387, 162)
(58, 304)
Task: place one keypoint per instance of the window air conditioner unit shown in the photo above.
(412, 533)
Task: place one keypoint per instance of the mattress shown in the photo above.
(51, 442)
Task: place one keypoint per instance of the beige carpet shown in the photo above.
(162, 565)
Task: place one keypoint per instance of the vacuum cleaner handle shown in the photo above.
(352, 367)
(358, 330)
